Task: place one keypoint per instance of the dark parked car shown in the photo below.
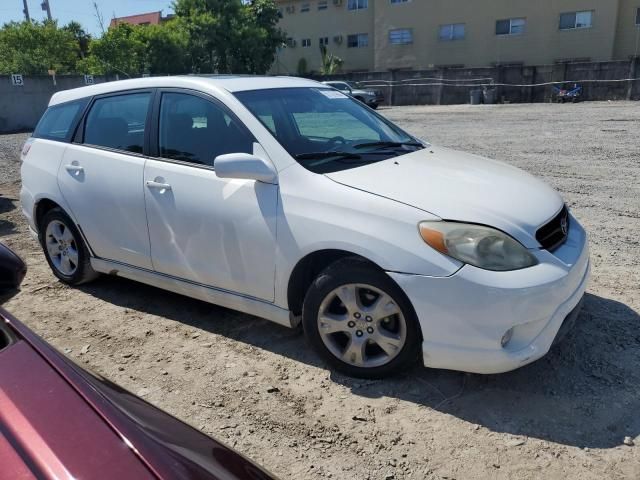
(12, 272)
(58, 421)
(371, 98)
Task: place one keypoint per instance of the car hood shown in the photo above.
(463, 187)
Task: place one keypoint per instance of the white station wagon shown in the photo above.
(286, 199)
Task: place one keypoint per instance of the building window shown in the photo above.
(324, 41)
(291, 42)
(358, 40)
(638, 16)
(453, 31)
(306, 42)
(573, 20)
(322, 5)
(358, 4)
(401, 36)
(399, 1)
(510, 26)
(304, 7)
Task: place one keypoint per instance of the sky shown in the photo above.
(81, 11)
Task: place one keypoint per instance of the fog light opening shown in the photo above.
(506, 338)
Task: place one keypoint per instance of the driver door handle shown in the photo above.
(158, 185)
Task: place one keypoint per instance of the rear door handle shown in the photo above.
(158, 185)
(74, 168)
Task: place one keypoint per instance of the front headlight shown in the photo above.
(477, 245)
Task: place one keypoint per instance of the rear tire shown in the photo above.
(64, 248)
(360, 322)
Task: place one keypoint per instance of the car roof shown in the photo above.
(230, 83)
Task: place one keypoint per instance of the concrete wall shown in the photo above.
(407, 87)
(21, 107)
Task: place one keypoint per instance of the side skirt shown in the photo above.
(224, 298)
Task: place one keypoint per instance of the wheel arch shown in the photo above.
(308, 268)
(41, 208)
(45, 205)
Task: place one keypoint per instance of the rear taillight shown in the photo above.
(26, 148)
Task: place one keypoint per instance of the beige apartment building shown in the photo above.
(381, 35)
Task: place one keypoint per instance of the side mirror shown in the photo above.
(245, 166)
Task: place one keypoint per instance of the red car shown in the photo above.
(58, 421)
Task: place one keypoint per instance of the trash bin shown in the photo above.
(476, 97)
(489, 96)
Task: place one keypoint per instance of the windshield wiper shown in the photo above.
(331, 154)
(388, 144)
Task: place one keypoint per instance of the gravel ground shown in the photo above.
(259, 388)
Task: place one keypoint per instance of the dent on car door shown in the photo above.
(101, 178)
(208, 230)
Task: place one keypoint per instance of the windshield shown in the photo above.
(325, 130)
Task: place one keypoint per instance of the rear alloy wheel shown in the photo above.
(64, 249)
(359, 320)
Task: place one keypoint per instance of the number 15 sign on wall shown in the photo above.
(17, 80)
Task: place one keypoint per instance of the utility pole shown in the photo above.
(25, 10)
(47, 8)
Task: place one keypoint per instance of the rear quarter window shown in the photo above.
(59, 121)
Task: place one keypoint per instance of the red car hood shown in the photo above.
(58, 421)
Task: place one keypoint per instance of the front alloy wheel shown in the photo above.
(360, 321)
(362, 325)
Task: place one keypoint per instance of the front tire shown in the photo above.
(360, 321)
(64, 248)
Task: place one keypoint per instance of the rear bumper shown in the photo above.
(464, 317)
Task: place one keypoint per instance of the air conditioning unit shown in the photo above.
(337, 3)
(337, 39)
(291, 8)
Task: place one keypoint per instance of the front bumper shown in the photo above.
(464, 317)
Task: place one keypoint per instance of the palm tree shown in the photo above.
(330, 63)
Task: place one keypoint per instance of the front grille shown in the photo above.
(552, 235)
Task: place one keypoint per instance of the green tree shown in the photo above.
(302, 67)
(33, 48)
(229, 35)
(121, 50)
(165, 48)
(132, 50)
(81, 37)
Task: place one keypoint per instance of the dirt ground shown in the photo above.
(259, 388)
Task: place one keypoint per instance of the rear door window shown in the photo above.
(118, 122)
(59, 121)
